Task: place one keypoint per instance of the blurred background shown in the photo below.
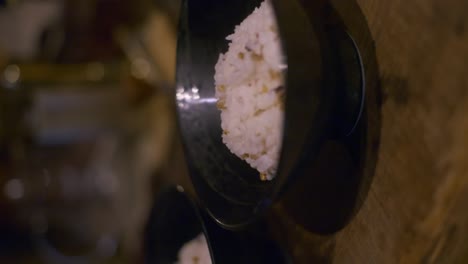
(86, 126)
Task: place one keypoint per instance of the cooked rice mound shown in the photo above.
(195, 252)
(250, 91)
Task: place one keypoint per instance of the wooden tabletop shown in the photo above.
(416, 210)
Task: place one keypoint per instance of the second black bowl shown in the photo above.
(176, 219)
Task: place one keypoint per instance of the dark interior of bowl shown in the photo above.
(226, 185)
(204, 27)
(175, 220)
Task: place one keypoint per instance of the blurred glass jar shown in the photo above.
(67, 147)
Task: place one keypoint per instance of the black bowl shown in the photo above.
(325, 100)
(231, 190)
(176, 219)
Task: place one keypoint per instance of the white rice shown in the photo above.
(249, 89)
(195, 252)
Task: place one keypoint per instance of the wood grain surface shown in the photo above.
(417, 207)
